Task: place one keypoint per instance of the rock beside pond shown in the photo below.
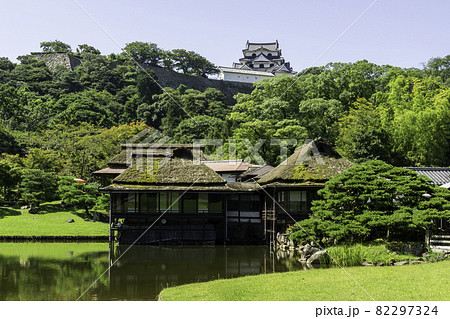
(401, 263)
(316, 257)
(70, 220)
(307, 251)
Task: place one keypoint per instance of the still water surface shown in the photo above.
(64, 271)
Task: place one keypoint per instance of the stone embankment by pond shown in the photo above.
(310, 255)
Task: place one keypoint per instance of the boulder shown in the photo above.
(367, 264)
(316, 257)
(24, 207)
(309, 250)
(401, 263)
(70, 220)
(33, 210)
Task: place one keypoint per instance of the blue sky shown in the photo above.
(404, 33)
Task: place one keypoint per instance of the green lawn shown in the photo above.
(51, 221)
(412, 282)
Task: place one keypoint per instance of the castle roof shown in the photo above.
(261, 58)
(269, 46)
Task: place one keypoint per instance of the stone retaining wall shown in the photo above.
(52, 60)
(165, 78)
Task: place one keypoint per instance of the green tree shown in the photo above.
(368, 201)
(12, 107)
(147, 85)
(6, 64)
(362, 136)
(416, 113)
(439, 67)
(144, 52)
(32, 75)
(199, 127)
(75, 194)
(87, 49)
(192, 63)
(8, 143)
(97, 72)
(55, 46)
(37, 186)
(320, 117)
(45, 160)
(9, 179)
(88, 106)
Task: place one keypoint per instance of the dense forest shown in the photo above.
(66, 122)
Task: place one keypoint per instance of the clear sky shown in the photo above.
(403, 33)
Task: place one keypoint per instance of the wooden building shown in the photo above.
(167, 195)
(290, 187)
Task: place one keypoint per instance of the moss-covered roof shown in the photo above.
(311, 164)
(119, 159)
(163, 171)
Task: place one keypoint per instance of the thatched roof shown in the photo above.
(119, 159)
(313, 163)
(255, 173)
(174, 171)
(109, 171)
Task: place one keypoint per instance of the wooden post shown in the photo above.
(274, 219)
(110, 219)
(226, 218)
(265, 218)
(427, 237)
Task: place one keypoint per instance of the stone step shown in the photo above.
(440, 247)
(440, 237)
(444, 242)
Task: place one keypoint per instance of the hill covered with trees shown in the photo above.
(69, 122)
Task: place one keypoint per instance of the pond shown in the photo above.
(71, 271)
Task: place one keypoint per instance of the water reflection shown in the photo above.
(139, 274)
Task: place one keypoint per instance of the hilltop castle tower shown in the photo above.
(261, 60)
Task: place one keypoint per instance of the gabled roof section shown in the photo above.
(228, 165)
(269, 46)
(255, 173)
(313, 163)
(119, 159)
(261, 58)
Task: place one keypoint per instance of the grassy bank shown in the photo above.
(51, 221)
(413, 282)
(355, 255)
